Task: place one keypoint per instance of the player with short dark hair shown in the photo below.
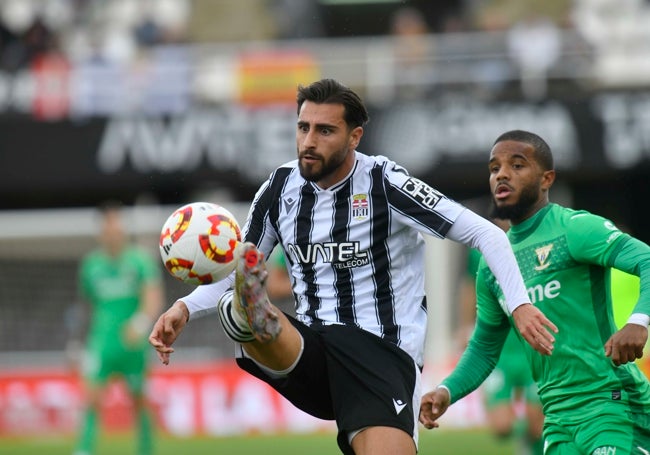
(595, 398)
(351, 228)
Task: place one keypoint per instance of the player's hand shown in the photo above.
(167, 328)
(627, 344)
(135, 331)
(74, 354)
(535, 328)
(130, 336)
(432, 406)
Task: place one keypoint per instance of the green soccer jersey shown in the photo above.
(565, 258)
(113, 287)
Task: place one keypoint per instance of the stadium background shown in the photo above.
(159, 103)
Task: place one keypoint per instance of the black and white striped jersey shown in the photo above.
(356, 251)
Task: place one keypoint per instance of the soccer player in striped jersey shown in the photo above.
(351, 228)
(596, 400)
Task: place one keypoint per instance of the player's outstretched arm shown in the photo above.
(167, 328)
(535, 328)
(626, 345)
(433, 405)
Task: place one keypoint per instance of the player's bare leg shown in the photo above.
(251, 319)
(383, 441)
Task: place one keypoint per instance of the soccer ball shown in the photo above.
(198, 243)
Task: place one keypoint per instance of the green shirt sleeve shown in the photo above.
(634, 258)
(484, 347)
(596, 240)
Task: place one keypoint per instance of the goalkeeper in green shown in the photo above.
(122, 286)
(596, 401)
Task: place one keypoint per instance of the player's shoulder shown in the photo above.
(583, 226)
(388, 165)
(581, 219)
(93, 257)
(286, 167)
(392, 172)
(280, 174)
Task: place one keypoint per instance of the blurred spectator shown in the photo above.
(297, 19)
(23, 48)
(147, 32)
(534, 44)
(413, 52)
(491, 73)
(11, 49)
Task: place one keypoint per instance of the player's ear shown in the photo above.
(355, 137)
(548, 177)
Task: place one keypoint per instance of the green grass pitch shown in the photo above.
(435, 442)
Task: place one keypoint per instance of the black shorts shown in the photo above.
(351, 376)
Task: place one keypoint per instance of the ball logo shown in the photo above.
(219, 223)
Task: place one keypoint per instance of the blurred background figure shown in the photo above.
(512, 406)
(534, 44)
(121, 288)
(413, 52)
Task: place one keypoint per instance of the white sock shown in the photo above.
(235, 326)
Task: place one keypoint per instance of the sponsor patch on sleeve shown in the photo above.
(421, 192)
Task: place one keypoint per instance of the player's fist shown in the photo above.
(627, 344)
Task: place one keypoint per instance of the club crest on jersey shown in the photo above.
(360, 209)
(542, 256)
(422, 192)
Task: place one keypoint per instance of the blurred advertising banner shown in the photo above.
(211, 398)
(234, 147)
(204, 399)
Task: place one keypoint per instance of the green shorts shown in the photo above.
(617, 431)
(100, 366)
(511, 378)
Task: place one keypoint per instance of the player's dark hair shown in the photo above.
(543, 154)
(110, 205)
(330, 91)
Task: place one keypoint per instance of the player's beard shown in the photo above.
(520, 209)
(318, 171)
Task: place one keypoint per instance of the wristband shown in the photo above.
(639, 319)
(442, 386)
